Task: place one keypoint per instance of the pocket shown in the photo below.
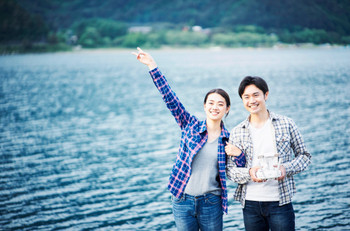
(282, 138)
(176, 200)
(283, 144)
(213, 199)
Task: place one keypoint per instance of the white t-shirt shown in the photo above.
(262, 145)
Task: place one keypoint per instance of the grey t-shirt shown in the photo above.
(205, 171)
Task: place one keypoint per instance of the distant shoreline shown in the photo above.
(213, 48)
(179, 48)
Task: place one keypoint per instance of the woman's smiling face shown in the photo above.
(215, 107)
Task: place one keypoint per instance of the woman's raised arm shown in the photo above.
(172, 102)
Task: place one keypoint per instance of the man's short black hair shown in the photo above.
(255, 80)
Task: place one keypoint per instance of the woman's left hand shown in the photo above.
(232, 150)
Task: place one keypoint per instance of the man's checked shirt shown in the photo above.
(193, 137)
(288, 140)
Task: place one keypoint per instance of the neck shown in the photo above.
(258, 120)
(214, 130)
(213, 125)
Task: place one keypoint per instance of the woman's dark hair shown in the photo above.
(255, 80)
(220, 92)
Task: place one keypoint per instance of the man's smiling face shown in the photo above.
(254, 99)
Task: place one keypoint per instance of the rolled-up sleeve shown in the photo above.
(237, 171)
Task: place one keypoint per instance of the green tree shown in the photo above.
(134, 40)
(315, 36)
(90, 38)
(56, 38)
(245, 39)
(185, 38)
(105, 27)
(17, 25)
(98, 32)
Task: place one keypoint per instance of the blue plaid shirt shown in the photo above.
(288, 141)
(193, 137)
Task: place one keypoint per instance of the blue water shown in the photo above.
(86, 142)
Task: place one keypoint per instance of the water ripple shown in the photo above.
(87, 144)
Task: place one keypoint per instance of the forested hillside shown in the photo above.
(330, 15)
(288, 21)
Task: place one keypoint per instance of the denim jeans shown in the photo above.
(268, 215)
(198, 212)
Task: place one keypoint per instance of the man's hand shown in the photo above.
(252, 173)
(283, 173)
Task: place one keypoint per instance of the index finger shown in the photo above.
(140, 50)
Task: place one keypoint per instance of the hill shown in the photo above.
(263, 22)
(329, 15)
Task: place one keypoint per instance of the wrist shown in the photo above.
(152, 66)
(249, 171)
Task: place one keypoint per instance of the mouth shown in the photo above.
(254, 106)
(215, 113)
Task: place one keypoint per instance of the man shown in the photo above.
(267, 204)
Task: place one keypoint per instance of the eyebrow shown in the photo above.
(215, 101)
(256, 92)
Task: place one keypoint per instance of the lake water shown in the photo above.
(86, 142)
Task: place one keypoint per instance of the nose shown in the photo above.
(251, 100)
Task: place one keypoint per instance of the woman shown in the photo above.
(198, 178)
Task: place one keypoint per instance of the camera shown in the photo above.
(269, 167)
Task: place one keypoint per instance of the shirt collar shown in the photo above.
(272, 116)
(203, 128)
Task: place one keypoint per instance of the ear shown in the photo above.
(266, 95)
(228, 109)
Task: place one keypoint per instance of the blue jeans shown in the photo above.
(198, 212)
(268, 215)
